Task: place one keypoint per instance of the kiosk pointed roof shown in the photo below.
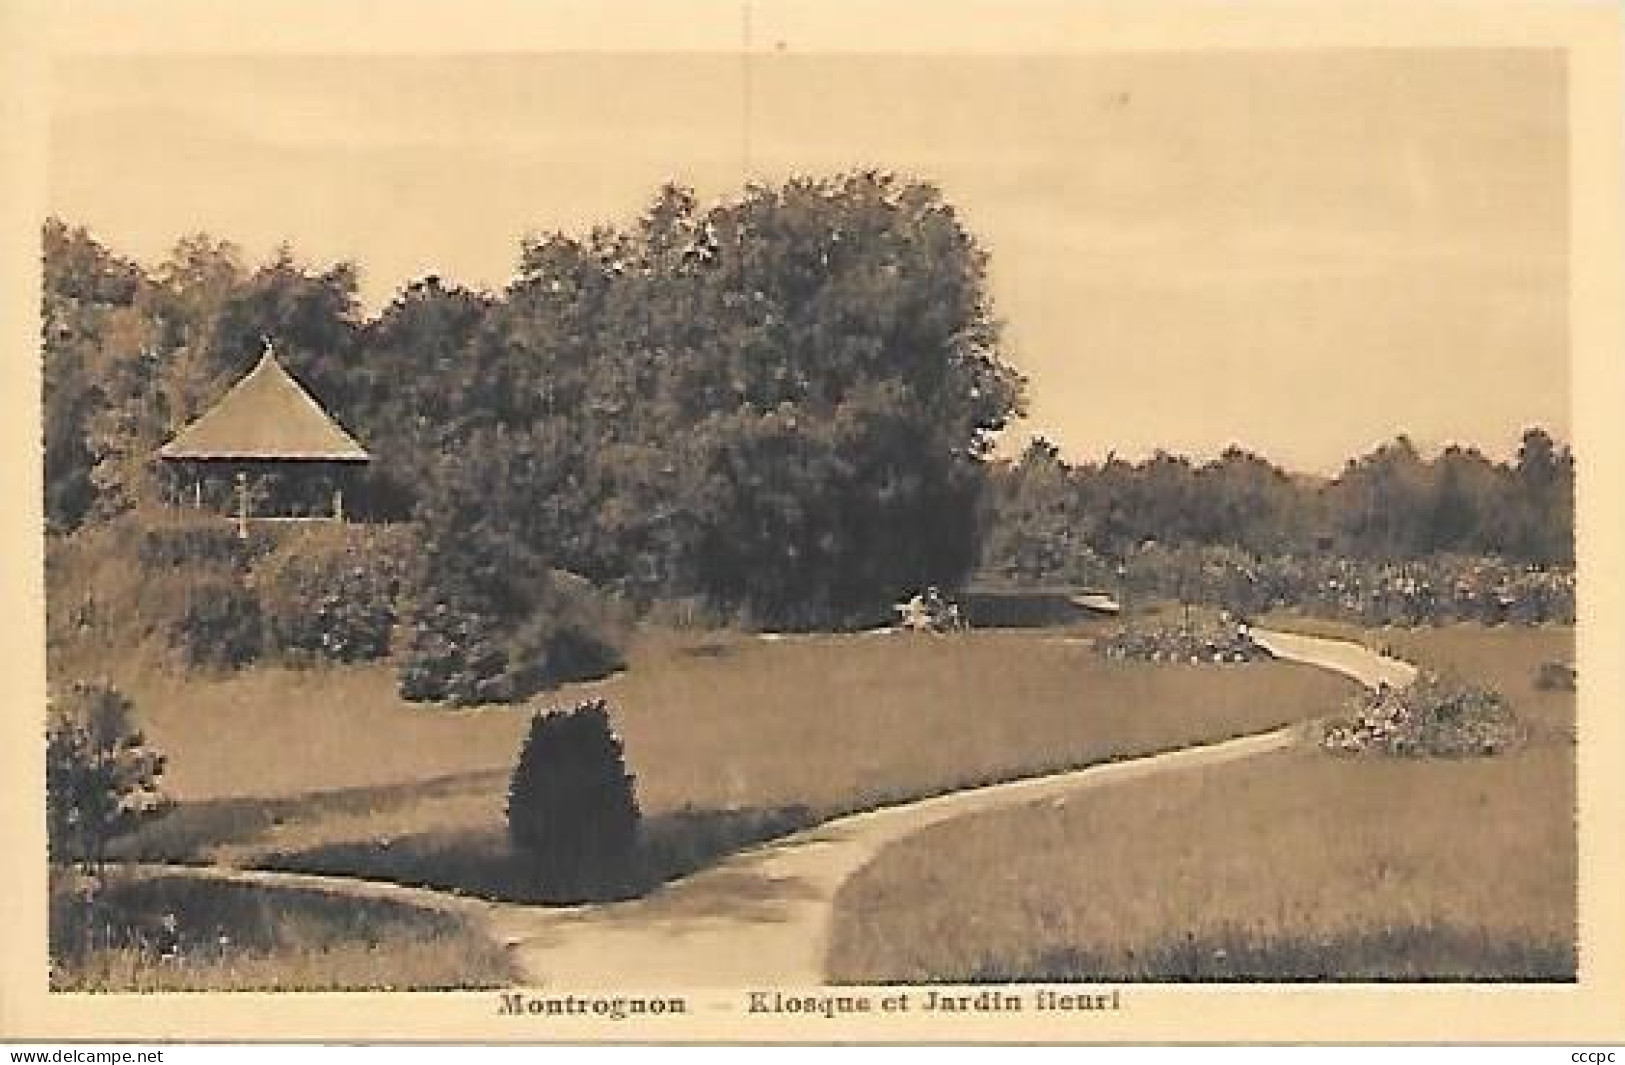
(266, 416)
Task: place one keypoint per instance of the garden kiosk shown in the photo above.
(271, 441)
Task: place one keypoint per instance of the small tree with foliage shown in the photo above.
(101, 776)
(572, 806)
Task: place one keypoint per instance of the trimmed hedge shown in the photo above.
(572, 806)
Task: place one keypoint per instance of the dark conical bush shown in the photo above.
(572, 806)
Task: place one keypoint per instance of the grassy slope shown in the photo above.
(328, 770)
(818, 720)
(1297, 865)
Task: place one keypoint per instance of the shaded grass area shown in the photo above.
(237, 937)
(733, 741)
(480, 862)
(1292, 866)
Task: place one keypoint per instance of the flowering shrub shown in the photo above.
(458, 657)
(334, 600)
(1432, 717)
(1434, 590)
(1223, 641)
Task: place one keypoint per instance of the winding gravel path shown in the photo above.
(1340, 656)
(763, 916)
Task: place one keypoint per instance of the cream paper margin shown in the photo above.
(32, 32)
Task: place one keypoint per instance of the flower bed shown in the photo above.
(1223, 641)
(1433, 717)
(1434, 590)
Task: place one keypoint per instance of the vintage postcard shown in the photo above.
(760, 521)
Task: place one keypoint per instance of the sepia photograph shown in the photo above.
(958, 533)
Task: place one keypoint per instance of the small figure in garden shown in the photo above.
(167, 941)
(929, 611)
(911, 613)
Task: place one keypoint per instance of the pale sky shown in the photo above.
(1303, 253)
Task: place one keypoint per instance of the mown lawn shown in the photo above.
(732, 740)
(1297, 865)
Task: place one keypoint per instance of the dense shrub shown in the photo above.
(572, 806)
(182, 542)
(582, 630)
(490, 618)
(101, 776)
(331, 597)
(461, 654)
(221, 625)
(300, 591)
(1432, 717)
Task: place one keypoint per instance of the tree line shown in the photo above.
(1048, 519)
(782, 404)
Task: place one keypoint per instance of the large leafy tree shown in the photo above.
(100, 369)
(1469, 506)
(783, 402)
(1391, 503)
(849, 398)
(411, 384)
